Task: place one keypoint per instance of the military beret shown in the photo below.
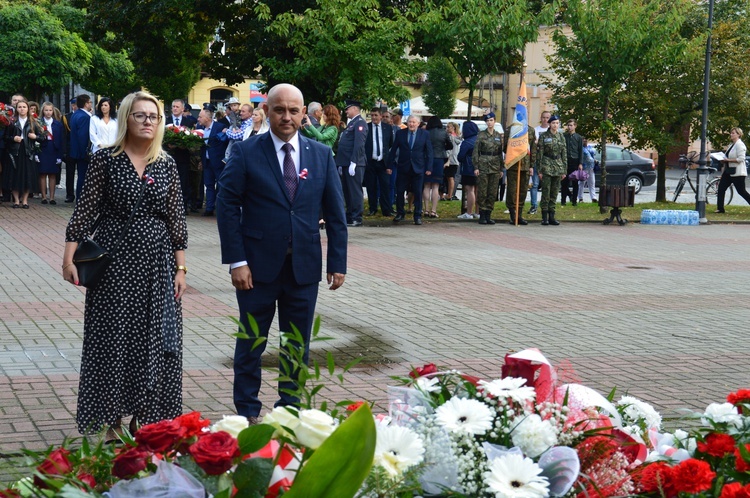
(554, 117)
(490, 115)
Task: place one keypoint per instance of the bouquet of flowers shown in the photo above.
(6, 116)
(182, 137)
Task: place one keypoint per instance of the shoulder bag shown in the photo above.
(91, 259)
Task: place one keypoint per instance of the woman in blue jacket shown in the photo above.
(469, 172)
(50, 155)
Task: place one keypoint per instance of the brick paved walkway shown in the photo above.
(661, 312)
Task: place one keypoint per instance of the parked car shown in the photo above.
(627, 168)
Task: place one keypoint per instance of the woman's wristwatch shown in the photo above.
(183, 268)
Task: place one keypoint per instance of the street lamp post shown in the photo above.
(702, 173)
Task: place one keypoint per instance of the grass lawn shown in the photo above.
(586, 211)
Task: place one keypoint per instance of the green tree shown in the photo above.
(37, 54)
(339, 49)
(440, 88)
(612, 40)
(480, 37)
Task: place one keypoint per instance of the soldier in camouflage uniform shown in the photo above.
(552, 154)
(488, 159)
(524, 164)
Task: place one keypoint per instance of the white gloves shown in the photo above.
(59, 161)
(352, 168)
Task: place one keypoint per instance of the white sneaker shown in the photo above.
(475, 216)
(465, 216)
(506, 211)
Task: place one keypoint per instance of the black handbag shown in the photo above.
(91, 259)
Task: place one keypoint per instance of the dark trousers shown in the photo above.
(377, 184)
(211, 173)
(413, 180)
(296, 306)
(81, 165)
(70, 178)
(353, 196)
(566, 183)
(183, 170)
(725, 182)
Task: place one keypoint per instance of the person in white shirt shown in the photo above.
(103, 125)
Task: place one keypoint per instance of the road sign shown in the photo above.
(405, 107)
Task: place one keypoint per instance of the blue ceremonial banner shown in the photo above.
(518, 143)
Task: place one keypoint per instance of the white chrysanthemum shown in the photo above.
(513, 476)
(465, 415)
(509, 387)
(635, 410)
(533, 435)
(722, 413)
(428, 385)
(397, 449)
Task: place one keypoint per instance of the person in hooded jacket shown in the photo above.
(469, 171)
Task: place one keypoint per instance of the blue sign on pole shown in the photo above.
(405, 107)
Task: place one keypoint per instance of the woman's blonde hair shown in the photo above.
(737, 130)
(262, 113)
(154, 151)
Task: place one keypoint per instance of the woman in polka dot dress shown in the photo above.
(132, 342)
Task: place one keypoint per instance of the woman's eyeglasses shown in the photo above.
(141, 117)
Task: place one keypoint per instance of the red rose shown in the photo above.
(741, 396)
(87, 479)
(129, 462)
(693, 476)
(55, 464)
(354, 406)
(717, 444)
(740, 464)
(735, 490)
(428, 369)
(9, 493)
(161, 436)
(657, 477)
(215, 452)
(192, 423)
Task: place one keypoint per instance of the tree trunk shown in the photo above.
(471, 99)
(603, 145)
(661, 177)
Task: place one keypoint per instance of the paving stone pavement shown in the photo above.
(658, 311)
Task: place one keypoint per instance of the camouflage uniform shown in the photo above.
(488, 159)
(525, 165)
(552, 158)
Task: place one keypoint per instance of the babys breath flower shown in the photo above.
(397, 449)
(533, 435)
(722, 413)
(509, 387)
(514, 476)
(428, 385)
(635, 410)
(233, 424)
(465, 416)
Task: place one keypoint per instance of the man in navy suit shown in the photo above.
(414, 151)
(79, 139)
(377, 147)
(271, 193)
(212, 156)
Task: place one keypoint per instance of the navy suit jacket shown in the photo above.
(352, 142)
(217, 145)
(387, 138)
(79, 134)
(257, 220)
(417, 158)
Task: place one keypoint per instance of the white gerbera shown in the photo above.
(465, 415)
(516, 476)
(533, 435)
(722, 413)
(397, 449)
(509, 387)
(635, 410)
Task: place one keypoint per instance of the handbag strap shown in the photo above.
(132, 213)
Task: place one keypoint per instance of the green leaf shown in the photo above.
(254, 438)
(338, 468)
(252, 476)
(331, 363)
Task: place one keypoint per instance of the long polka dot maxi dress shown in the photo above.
(131, 362)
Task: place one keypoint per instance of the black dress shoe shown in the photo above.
(354, 224)
(372, 213)
(208, 213)
(70, 199)
(399, 217)
(418, 221)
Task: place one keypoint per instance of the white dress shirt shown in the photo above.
(102, 134)
(377, 136)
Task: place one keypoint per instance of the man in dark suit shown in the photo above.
(351, 160)
(79, 139)
(181, 155)
(70, 165)
(212, 156)
(414, 151)
(271, 192)
(377, 147)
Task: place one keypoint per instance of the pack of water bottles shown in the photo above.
(669, 217)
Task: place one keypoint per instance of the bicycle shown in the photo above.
(712, 185)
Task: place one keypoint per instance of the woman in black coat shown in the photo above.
(22, 139)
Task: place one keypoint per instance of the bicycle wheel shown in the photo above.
(712, 192)
(678, 189)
